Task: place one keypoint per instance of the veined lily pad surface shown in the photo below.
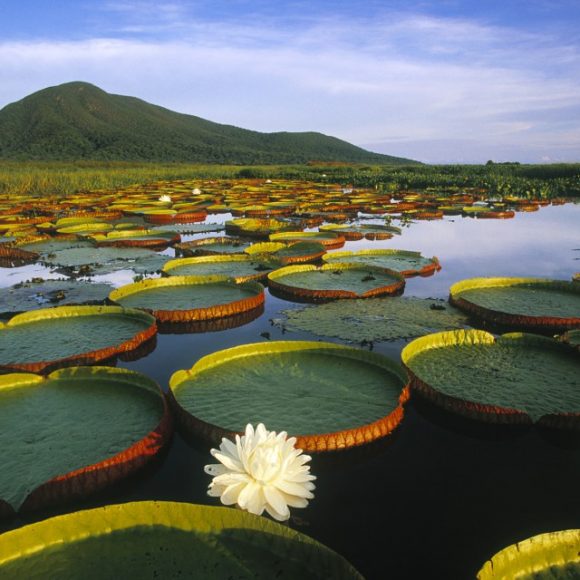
(138, 238)
(515, 378)
(332, 281)
(191, 228)
(63, 335)
(330, 396)
(240, 267)
(214, 245)
(74, 431)
(293, 253)
(108, 259)
(357, 232)
(187, 298)
(33, 295)
(375, 319)
(166, 540)
(550, 556)
(531, 303)
(45, 246)
(403, 261)
(329, 240)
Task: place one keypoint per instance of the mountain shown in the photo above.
(81, 121)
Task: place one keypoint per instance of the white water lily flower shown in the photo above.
(165, 198)
(261, 471)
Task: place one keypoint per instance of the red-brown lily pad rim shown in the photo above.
(195, 314)
(482, 412)
(426, 270)
(88, 357)
(519, 321)
(312, 443)
(89, 479)
(201, 247)
(275, 282)
(224, 259)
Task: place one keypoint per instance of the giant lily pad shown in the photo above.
(357, 232)
(523, 303)
(190, 228)
(108, 259)
(515, 378)
(551, 556)
(286, 254)
(332, 281)
(74, 432)
(45, 245)
(256, 228)
(35, 294)
(166, 540)
(12, 257)
(403, 261)
(239, 267)
(330, 396)
(375, 319)
(214, 245)
(330, 240)
(188, 298)
(139, 238)
(68, 335)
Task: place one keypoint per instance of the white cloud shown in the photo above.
(420, 78)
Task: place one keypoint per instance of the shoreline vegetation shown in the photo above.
(502, 179)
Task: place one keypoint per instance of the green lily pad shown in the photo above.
(32, 295)
(187, 298)
(375, 319)
(46, 246)
(108, 259)
(328, 239)
(514, 377)
(214, 245)
(139, 238)
(403, 261)
(256, 228)
(332, 281)
(330, 396)
(166, 540)
(239, 267)
(368, 231)
(529, 303)
(551, 556)
(70, 420)
(50, 336)
(191, 228)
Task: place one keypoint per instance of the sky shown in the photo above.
(443, 81)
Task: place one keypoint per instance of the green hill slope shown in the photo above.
(80, 121)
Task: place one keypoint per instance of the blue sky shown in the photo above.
(438, 81)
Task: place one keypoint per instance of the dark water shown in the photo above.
(442, 495)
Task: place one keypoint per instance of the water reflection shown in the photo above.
(435, 479)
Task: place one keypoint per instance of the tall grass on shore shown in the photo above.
(68, 178)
